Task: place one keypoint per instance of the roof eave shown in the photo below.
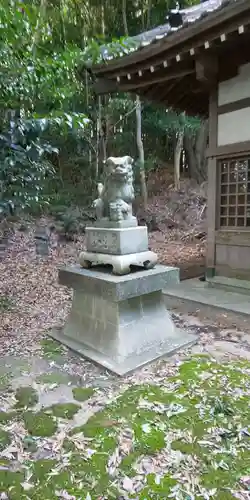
(179, 37)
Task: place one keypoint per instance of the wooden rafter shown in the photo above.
(104, 86)
(159, 93)
(173, 75)
(207, 68)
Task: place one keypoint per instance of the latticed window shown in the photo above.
(234, 175)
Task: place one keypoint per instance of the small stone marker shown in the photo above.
(42, 241)
(3, 246)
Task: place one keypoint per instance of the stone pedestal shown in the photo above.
(118, 247)
(120, 322)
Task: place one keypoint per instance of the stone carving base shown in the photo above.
(120, 263)
(117, 241)
(120, 322)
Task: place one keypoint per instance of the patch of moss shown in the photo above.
(5, 381)
(202, 357)
(96, 467)
(29, 444)
(218, 478)
(40, 423)
(5, 439)
(64, 410)
(4, 462)
(41, 468)
(204, 400)
(187, 448)
(53, 378)
(77, 477)
(150, 440)
(26, 397)
(157, 488)
(127, 403)
(68, 445)
(6, 303)
(7, 416)
(128, 462)
(190, 420)
(101, 424)
(82, 393)
(51, 348)
(11, 482)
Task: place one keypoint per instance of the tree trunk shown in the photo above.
(177, 158)
(98, 130)
(149, 8)
(124, 16)
(39, 23)
(200, 148)
(144, 191)
(87, 107)
(138, 125)
(195, 147)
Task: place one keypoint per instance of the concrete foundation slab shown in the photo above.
(120, 322)
(229, 284)
(179, 341)
(195, 294)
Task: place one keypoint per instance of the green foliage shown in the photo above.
(44, 47)
(23, 167)
(97, 53)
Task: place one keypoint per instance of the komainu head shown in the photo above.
(119, 168)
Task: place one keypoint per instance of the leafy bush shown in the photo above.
(24, 165)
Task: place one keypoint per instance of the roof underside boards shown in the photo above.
(165, 70)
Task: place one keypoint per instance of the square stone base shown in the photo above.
(123, 325)
(117, 241)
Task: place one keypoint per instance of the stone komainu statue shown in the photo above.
(117, 192)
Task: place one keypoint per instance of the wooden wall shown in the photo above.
(228, 251)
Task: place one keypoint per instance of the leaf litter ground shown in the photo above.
(183, 434)
(176, 429)
(31, 300)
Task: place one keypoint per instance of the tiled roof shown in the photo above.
(178, 19)
(186, 17)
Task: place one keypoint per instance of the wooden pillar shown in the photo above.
(212, 183)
